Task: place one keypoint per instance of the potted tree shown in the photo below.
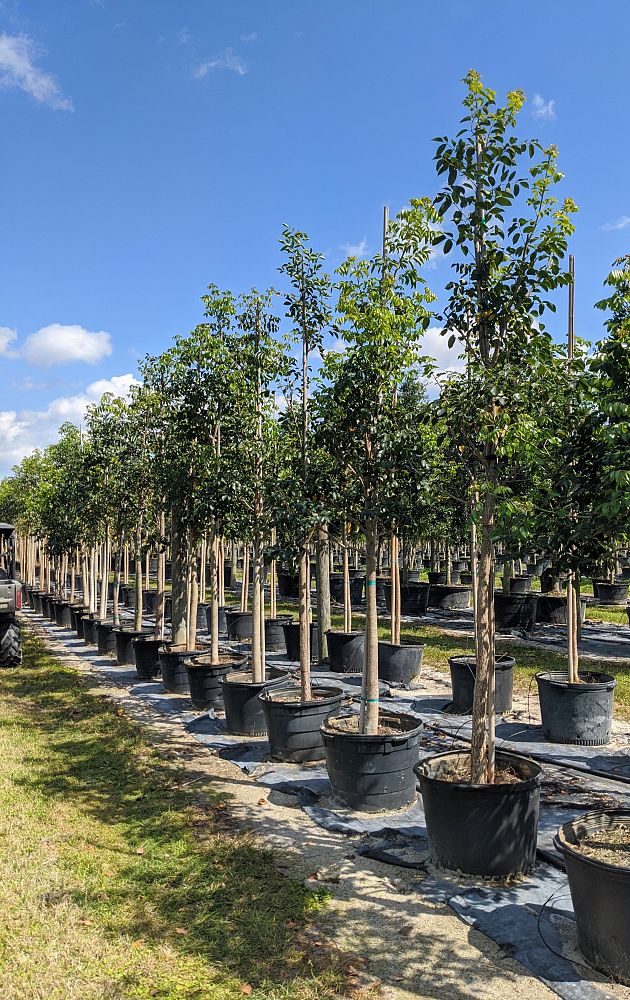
(510, 235)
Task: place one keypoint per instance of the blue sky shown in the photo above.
(153, 146)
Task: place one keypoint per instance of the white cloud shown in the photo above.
(542, 110)
(252, 37)
(183, 36)
(58, 344)
(7, 336)
(228, 59)
(621, 223)
(435, 345)
(18, 54)
(22, 432)
(355, 249)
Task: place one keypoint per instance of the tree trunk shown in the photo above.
(305, 623)
(179, 624)
(193, 592)
(258, 667)
(369, 696)
(116, 595)
(160, 600)
(245, 580)
(482, 767)
(102, 611)
(347, 604)
(137, 617)
(323, 591)
(215, 569)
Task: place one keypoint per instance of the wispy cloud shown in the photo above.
(228, 59)
(252, 37)
(183, 36)
(542, 110)
(621, 223)
(18, 54)
(7, 336)
(355, 249)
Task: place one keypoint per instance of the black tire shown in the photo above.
(10, 643)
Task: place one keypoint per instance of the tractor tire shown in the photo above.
(10, 643)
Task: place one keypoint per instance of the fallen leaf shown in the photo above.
(262, 802)
(138, 943)
(246, 988)
(181, 930)
(406, 931)
(140, 850)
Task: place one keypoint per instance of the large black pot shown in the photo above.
(63, 616)
(414, 598)
(293, 725)
(399, 665)
(611, 593)
(552, 609)
(288, 585)
(515, 610)
(222, 619)
(149, 601)
(374, 773)
(345, 651)
(520, 585)
(436, 576)
(37, 602)
(125, 649)
(147, 654)
(336, 587)
(173, 668)
(204, 678)
(227, 575)
(449, 597)
(274, 634)
(238, 624)
(576, 713)
(292, 640)
(106, 637)
(549, 581)
(47, 606)
(600, 892)
(89, 630)
(463, 673)
(244, 715)
(487, 830)
(76, 613)
(202, 616)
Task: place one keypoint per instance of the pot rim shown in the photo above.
(378, 737)
(564, 846)
(193, 662)
(335, 692)
(337, 631)
(236, 679)
(504, 660)
(558, 679)
(497, 789)
(402, 645)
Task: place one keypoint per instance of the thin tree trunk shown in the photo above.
(215, 570)
(324, 619)
(116, 594)
(347, 605)
(369, 696)
(193, 593)
(179, 586)
(160, 600)
(482, 768)
(137, 618)
(305, 624)
(257, 637)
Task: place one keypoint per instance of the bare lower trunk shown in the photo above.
(102, 612)
(193, 594)
(305, 624)
(245, 580)
(137, 617)
(369, 695)
(117, 574)
(482, 764)
(215, 567)
(179, 623)
(258, 668)
(221, 571)
(160, 600)
(395, 584)
(323, 591)
(347, 605)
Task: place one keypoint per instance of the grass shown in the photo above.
(117, 880)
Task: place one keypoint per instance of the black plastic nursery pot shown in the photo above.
(244, 714)
(600, 892)
(291, 631)
(47, 600)
(238, 624)
(63, 616)
(520, 584)
(552, 609)
(515, 610)
(414, 598)
(106, 637)
(550, 581)
(345, 651)
(436, 576)
(147, 654)
(293, 725)
(576, 713)
(487, 830)
(222, 619)
(37, 602)
(204, 678)
(173, 668)
(149, 601)
(399, 665)
(89, 630)
(611, 593)
(374, 773)
(336, 588)
(449, 597)
(76, 613)
(466, 578)
(463, 673)
(288, 585)
(125, 649)
(274, 634)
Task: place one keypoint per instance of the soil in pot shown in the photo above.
(580, 714)
(238, 624)
(345, 651)
(146, 651)
(596, 853)
(463, 672)
(373, 773)
(204, 678)
(486, 830)
(449, 597)
(244, 714)
(399, 665)
(291, 631)
(515, 610)
(293, 725)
